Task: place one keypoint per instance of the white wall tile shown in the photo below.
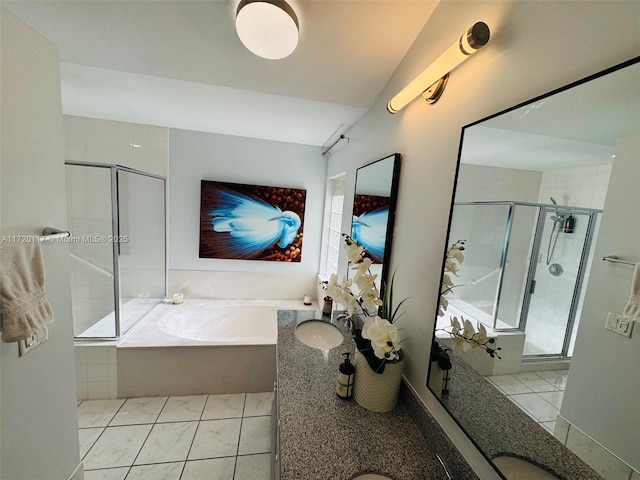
(81, 391)
(81, 355)
(113, 355)
(81, 373)
(97, 355)
(97, 390)
(98, 373)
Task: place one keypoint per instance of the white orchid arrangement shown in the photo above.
(464, 335)
(378, 339)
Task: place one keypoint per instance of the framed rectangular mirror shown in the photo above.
(545, 190)
(374, 207)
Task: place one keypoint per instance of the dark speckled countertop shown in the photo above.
(501, 428)
(325, 437)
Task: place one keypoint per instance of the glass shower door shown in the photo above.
(141, 206)
(91, 253)
(564, 239)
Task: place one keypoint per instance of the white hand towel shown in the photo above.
(23, 304)
(632, 310)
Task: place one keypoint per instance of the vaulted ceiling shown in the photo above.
(180, 63)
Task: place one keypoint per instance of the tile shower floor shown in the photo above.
(538, 394)
(212, 437)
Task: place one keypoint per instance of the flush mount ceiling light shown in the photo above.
(433, 80)
(268, 28)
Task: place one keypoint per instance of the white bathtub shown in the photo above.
(207, 322)
(201, 347)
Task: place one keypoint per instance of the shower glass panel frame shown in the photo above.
(131, 237)
(502, 253)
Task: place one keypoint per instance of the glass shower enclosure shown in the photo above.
(524, 268)
(117, 252)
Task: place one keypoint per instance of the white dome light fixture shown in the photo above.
(268, 28)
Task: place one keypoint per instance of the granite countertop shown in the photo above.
(500, 428)
(325, 437)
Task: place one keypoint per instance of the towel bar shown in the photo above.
(615, 259)
(51, 234)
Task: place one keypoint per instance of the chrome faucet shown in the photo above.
(348, 322)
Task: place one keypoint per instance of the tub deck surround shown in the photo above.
(201, 347)
(323, 436)
(501, 428)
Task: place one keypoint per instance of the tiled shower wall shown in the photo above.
(90, 140)
(143, 147)
(584, 187)
(89, 214)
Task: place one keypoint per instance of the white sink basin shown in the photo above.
(516, 469)
(319, 334)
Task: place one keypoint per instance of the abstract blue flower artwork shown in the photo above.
(251, 222)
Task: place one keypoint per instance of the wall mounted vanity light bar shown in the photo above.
(433, 80)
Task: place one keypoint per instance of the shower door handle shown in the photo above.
(532, 287)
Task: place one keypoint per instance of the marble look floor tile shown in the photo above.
(116, 447)
(136, 411)
(224, 406)
(167, 442)
(534, 382)
(508, 384)
(158, 471)
(258, 404)
(554, 398)
(536, 406)
(253, 467)
(86, 438)
(211, 469)
(97, 413)
(255, 436)
(108, 474)
(557, 378)
(216, 438)
(181, 409)
(549, 426)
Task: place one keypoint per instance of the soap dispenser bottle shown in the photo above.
(346, 374)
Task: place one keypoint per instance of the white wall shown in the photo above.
(38, 411)
(606, 365)
(196, 156)
(535, 47)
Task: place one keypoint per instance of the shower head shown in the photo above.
(553, 200)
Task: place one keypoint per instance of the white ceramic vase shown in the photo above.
(377, 392)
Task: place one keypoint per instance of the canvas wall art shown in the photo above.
(251, 222)
(369, 227)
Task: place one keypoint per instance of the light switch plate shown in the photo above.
(25, 346)
(619, 324)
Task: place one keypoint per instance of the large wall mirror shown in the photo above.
(545, 191)
(374, 206)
